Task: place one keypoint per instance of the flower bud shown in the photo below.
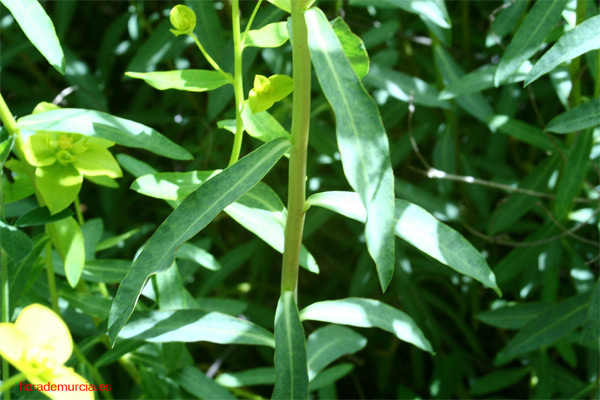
(183, 20)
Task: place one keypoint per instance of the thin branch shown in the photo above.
(435, 173)
(496, 240)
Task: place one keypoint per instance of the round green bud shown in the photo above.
(183, 20)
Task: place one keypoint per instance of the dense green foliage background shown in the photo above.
(543, 251)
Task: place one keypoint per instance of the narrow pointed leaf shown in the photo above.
(422, 230)
(96, 123)
(586, 115)
(194, 381)
(579, 40)
(548, 327)
(524, 132)
(361, 138)
(41, 216)
(191, 80)
(481, 79)
(573, 174)
(194, 326)
(537, 24)
(513, 316)
(368, 313)
(39, 29)
(290, 351)
(330, 376)
(327, 344)
(194, 213)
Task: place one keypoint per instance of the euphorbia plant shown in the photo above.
(202, 195)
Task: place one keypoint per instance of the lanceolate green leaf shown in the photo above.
(194, 381)
(15, 242)
(420, 229)
(103, 125)
(194, 326)
(327, 344)
(548, 327)
(353, 47)
(368, 313)
(405, 87)
(573, 174)
(290, 351)
(270, 35)
(577, 41)
(361, 138)
(537, 24)
(262, 125)
(194, 213)
(41, 216)
(524, 132)
(513, 316)
(39, 30)
(260, 210)
(191, 80)
(481, 79)
(586, 115)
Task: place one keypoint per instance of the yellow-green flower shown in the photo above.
(268, 91)
(38, 344)
(62, 160)
(183, 20)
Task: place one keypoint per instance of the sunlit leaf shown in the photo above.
(39, 29)
(361, 138)
(537, 24)
(211, 198)
(191, 80)
(368, 313)
(577, 41)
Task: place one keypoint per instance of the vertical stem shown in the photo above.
(50, 277)
(5, 311)
(6, 117)
(10, 124)
(238, 85)
(297, 172)
(78, 213)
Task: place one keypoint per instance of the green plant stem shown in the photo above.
(5, 317)
(238, 85)
(6, 117)
(11, 126)
(212, 62)
(8, 383)
(51, 280)
(250, 21)
(297, 170)
(78, 213)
